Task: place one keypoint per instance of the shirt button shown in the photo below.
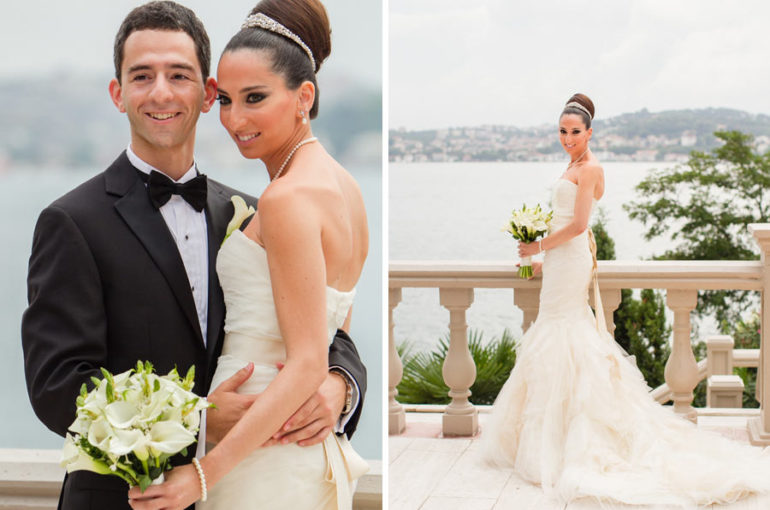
(193, 288)
(186, 237)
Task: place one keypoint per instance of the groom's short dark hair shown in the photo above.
(164, 15)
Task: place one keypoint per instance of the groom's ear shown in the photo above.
(210, 94)
(116, 94)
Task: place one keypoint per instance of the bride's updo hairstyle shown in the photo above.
(305, 19)
(580, 104)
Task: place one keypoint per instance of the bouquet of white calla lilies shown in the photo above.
(131, 424)
(527, 225)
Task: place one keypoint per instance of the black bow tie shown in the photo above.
(161, 188)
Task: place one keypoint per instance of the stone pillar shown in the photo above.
(681, 368)
(460, 417)
(724, 391)
(720, 354)
(528, 301)
(759, 428)
(396, 415)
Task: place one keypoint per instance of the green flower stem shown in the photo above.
(127, 469)
(129, 481)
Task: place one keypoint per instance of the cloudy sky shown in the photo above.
(464, 63)
(45, 37)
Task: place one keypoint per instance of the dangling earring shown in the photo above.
(302, 114)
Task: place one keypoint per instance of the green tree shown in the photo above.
(705, 206)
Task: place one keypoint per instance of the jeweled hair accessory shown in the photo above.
(260, 20)
(579, 106)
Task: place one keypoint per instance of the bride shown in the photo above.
(288, 278)
(576, 417)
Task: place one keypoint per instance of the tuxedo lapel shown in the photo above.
(149, 227)
(218, 213)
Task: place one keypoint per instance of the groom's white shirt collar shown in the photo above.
(145, 167)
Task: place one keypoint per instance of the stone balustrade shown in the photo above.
(31, 480)
(681, 281)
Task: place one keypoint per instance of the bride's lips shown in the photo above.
(246, 138)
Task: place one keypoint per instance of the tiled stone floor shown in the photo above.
(428, 472)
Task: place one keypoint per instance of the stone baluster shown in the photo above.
(528, 301)
(759, 428)
(681, 371)
(460, 416)
(396, 415)
(610, 302)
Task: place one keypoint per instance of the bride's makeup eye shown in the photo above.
(223, 100)
(255, 97)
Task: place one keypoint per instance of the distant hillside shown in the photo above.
(70, 121)
(639, 136)
(672, 123)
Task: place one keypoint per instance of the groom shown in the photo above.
(123, 267)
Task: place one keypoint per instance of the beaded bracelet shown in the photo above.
(202, 477)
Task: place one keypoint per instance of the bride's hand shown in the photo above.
(315, 420)
(181, 489)
(528, 249)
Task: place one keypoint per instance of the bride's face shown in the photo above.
(259, 112)
(573, 134)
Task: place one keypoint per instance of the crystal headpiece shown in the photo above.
(579, 106)
(260, 20)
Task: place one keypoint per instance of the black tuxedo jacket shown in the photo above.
(107, 287)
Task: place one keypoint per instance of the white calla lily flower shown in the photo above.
(242, 211)
(170, 437)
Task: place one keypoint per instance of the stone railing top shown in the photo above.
(668, 274)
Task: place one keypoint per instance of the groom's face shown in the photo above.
(161, 90)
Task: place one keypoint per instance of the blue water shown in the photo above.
(25, 192)
(456, 211)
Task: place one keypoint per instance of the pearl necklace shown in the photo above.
(578, 159)
(288, 158)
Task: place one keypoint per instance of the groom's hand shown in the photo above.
(230, 405)
(318, 415)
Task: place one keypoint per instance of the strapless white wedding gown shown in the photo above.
(577, 418)
(280, 477)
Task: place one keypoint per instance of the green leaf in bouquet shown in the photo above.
(107, 375)
(83, 390)
(184, 452)
(174, 374)
(156, 386)
(189, 379)
(144, 482)
(96, 381)
(110, 392)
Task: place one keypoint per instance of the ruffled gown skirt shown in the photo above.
(576, 416)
